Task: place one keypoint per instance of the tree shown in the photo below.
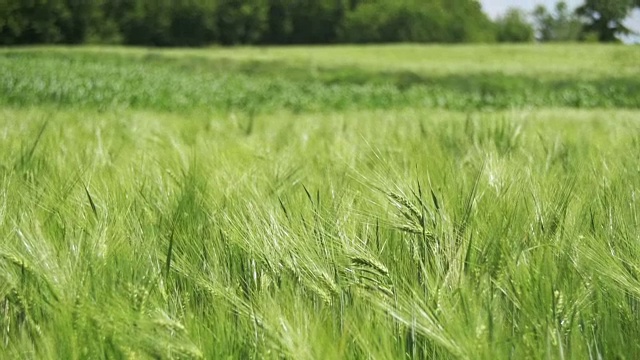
(242, 21)
(466, 22)
(562, 25)
(513, 27)
(417, 21)
(317, 21)
(89, 22)
(146, 22)
(394, 21)
(280, 25)
(605, 17)
(34, 21)
(12, 22)
(193, 23)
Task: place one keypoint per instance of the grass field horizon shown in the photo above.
(376, 202)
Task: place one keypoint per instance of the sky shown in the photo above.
(497, 7)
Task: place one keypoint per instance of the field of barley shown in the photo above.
(346, 202)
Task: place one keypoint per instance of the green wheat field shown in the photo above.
(380, 202)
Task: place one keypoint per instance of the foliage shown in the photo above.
(194, 23)
(280, 23)
(466, 22)
(513, 27)
(147, 22)
(316, 21)
(605, 17)
(34, 21)
(199, 22)
(88, 23)
(305, 21)
(393, 22)
(417, 21)
(561, 25)
(241, 21)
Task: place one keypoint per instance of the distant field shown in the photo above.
(323, 79)
(584, 61)
(394, 202)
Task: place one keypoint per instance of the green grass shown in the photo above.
(549, 60)
(374, 230)
(213, 81)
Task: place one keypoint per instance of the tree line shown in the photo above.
(594, 20)
(231, 22)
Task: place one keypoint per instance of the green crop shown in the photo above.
(216, 83)
(186, 225)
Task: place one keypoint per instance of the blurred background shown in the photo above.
(237, 22)
(498, 8)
